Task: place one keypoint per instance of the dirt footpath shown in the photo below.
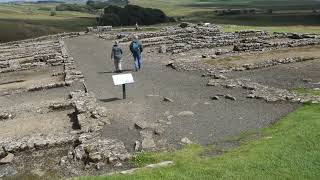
(211, 120)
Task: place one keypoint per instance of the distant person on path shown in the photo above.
(136, 50)
(116, 55)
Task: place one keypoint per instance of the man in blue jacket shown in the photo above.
(136, 50)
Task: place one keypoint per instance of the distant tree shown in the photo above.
(131, 14)
(73, 7)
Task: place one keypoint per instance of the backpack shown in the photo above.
(117, 52)
(136, 47)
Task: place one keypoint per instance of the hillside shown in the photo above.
(284, 12)
(20, 21)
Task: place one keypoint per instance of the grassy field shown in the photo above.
(289, 149)
(21, 21)
(285, 12)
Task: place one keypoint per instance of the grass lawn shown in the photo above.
(289, 149)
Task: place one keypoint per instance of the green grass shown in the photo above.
(285, 12)
(297, 29)
(26, 21)
(307, 91)
(289, 149)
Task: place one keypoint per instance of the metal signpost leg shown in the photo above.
(124, 91)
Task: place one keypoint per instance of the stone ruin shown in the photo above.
(99, 29)
(36, 66)
(188, 38)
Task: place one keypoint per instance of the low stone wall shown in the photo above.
(258, 91)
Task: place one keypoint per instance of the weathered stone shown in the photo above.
(170, 117)
(159, 130)
(162, 49)
(7, 171)
(185, 140)
(166, 99)
(95, 157)
(228, 96)
(215, 98)
(64, 161)
(7, 159)
(141, 124)
(307, 80)
(137, 145)
(38, 172)
(79, 153)
(186, 113)
(97, 149)
(118, 164)
(130, 171)
(2, 152)
(100, 165)
(6, 115)
(147, 142)
(219, 76)
(161, 164)
(60, 105)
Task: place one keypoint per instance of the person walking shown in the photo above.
(116, 55)
(136, 50)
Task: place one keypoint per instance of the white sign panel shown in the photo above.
(122, 79)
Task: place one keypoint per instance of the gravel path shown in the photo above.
(212, 120)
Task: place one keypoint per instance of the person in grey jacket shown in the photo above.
(136, 50)
(116, 55)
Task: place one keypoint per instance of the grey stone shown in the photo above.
(7, 171)
(118, 164)
(130, 171)
(219, 76)
(228, 96)
(307, 80)
(6, 115)
(161, 164)
(141, 124)
(162, 49)
(159, 130)
(186, 113)
(63, 161)
(95, 157)
(215, 98)
(170, 117)
(166, 99)
(186, 140)
(148, 141)
(38, 172)
(2, 152)
(100, 165)
(7, 159)
(79, 153)
(137, 145)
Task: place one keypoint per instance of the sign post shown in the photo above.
(124, 94)
(123, 79)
